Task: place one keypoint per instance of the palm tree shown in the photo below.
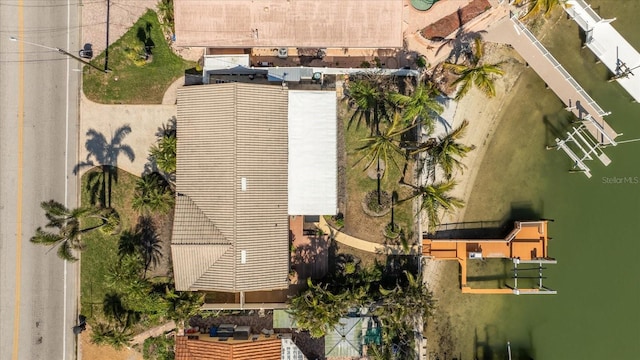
(385, 144)
(421, 106)
(164, 153)
(475, 73)
(447, 151)
(538, 6)
(152, 194)
(106, 155)
(109, 334)
(366, 98)
(67, 221)
(182, 305)
(436, 199)
(402, 309)
(317, 309)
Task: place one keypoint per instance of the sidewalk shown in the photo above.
(362, 244)
(153, 332)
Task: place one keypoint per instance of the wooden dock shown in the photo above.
(527, 243)
(512, 31)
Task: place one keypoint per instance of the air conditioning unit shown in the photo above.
(283, 53)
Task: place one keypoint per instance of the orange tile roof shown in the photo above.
(263, 349)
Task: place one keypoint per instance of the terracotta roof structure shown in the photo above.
(231, 230)
(214, 349)
(289, 23)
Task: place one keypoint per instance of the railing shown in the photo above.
(587, 8)
(558, 66)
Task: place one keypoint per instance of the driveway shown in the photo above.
(144, 121)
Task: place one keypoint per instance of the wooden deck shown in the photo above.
(527, 242)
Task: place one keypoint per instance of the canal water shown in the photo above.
(596, 233)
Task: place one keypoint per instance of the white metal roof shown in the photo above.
(312, 153)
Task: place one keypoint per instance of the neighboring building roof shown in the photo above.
(294, 23)
(231, 224)
(313, 165)
(290, 73)
(283, 319)
(213, 349)
(345, 339)
(290, 351)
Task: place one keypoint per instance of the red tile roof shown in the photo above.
(262, 349)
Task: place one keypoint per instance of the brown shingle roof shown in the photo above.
(227, 133)
(263, 349)
(280, 23)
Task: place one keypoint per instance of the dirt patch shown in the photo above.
(89, 350)
(450, 23)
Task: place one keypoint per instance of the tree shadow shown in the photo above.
(104, 153)
(311, 260)
(462, 42)
(144, 35)
(143, 240)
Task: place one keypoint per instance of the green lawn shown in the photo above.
(357, 223)
(132, 80)
(102, 249)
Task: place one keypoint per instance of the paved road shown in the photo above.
(38, 147)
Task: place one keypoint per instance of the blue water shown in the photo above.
(596, 233)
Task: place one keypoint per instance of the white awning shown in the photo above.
(312, 153)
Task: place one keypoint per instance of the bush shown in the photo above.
(158, 348)
(392, 232)
(371, 201)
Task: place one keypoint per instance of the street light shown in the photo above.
(61, 51)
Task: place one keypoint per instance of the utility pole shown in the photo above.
(106, 49)
(61, 51)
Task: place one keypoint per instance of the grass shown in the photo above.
(102, 249)
(356, 222)
(132, 80)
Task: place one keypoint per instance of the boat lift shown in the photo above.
(582, 143)
(541, 289)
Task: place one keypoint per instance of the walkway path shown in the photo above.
(513, 32)
(608, 45)
(153, 332)
(363, 244)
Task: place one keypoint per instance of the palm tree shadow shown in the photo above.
(104, 154)
(461, 44)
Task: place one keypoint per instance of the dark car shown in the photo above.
(86, 52)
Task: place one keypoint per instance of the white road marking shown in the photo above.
(66, 186)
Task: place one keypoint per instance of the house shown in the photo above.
(288, 23)
(248, 157)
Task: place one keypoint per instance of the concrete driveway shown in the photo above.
(144, 121)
